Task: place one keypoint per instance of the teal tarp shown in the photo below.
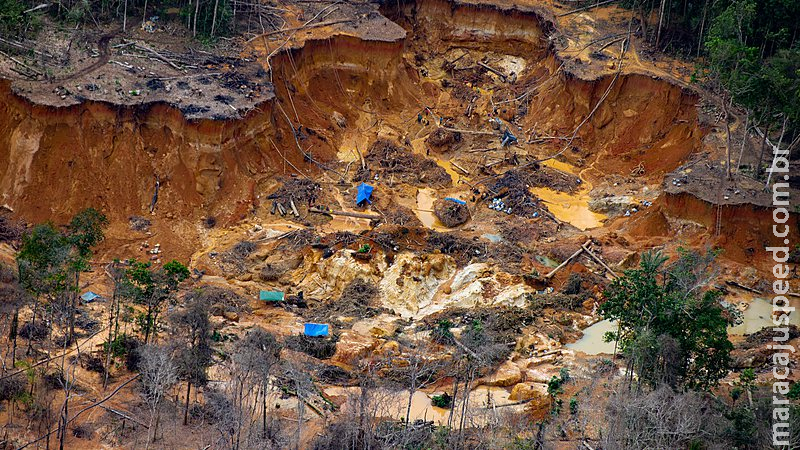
(271, 296)
(315, 329)
(89, 296)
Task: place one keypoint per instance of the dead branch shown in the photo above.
(345, 213)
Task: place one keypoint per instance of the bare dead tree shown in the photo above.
(658, 419)
(257, 356)
(158, 374)
(193, 328)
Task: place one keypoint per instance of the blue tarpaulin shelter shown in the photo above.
(315, 329)
(364, 193)
(455, 200)
(271, 296)
(89, 296)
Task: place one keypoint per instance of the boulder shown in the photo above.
(352, 346)
(508, 374)
(526, 391)
(539, 407)
(613, 205)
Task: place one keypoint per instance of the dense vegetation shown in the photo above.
(670, 330)
(203, 18)
(749, 46)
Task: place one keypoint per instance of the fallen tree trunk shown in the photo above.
(566, 261)
(597, 258)
(345, 213)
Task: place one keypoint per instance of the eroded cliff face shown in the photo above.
(58, 160)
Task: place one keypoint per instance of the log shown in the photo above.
(466, 172)
(345, 213)
(158, 56)
(304, 27)
(294, 208)
(566, 261)
(597, 258)
(459, 130)
(22, 64)
(595, 5)
(741, 286)
(493, 70)
(36, 8)
(125, 416)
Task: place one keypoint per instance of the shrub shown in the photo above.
(318, 347)
(442, 401)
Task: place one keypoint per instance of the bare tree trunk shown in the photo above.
(14, 330)
(453, 403)
(410, 399)
(763, 148)
(125, 16)
(301, 407)
(144, 12)
(63, 420)
(660, 22)
(744, 139)
(33, 323)
(264, 413)
(196, 12)
(73, 307)
(186, 409)
(214, 19)
(702, 28)
(727, 138)
(777, 148)
(107, 367)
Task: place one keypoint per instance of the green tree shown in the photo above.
(42, 266)
(153, 288)
(85, 232)
(671, 330)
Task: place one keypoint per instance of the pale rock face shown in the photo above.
(381, 326)
(333, 274)
(420, 285)
(409, 286)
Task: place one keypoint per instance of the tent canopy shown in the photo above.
(271, 296)
(364, 193)
(315, 329)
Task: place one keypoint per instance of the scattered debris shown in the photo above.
(404, 166)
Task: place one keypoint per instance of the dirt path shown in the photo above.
(102, 46)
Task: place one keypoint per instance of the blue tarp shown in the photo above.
(315, 329)
(89, 296)
(507, 139)
(364, 193)
(455, 200)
